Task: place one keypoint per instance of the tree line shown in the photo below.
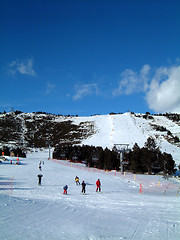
(148, 159)
(17, 152)
(90, 155)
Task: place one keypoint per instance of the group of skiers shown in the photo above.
(98, 186)
(40, 165)
(40, 175)
(65, 188)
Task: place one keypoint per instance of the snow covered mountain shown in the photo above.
(130, 128)
(40, 130)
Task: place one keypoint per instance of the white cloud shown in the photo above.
(144, 77)
(133, 82)
(85, 90)
(164, 90)
(49, 88)
(24, 67)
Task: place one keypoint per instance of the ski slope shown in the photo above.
(32, 212)
(130, 129)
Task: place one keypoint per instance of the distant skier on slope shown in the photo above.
(39, 176)
(77, 180)
(40, 168)
(98, 185)
(83, 187)
(65, 189)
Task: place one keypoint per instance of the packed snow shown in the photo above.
(129, 207)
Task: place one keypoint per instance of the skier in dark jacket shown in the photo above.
(65, 189)
(39, 176)
(98, 185)
(40, 168)
(83, 187)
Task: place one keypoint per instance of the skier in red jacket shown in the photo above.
(98, 184)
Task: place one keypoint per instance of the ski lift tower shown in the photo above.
(121, 149)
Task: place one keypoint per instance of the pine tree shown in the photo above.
(150, 144)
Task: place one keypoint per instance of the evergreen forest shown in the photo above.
(148, 159)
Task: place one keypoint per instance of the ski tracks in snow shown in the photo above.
(119, 212)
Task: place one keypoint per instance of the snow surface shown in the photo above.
(32, 212)
(129, 129)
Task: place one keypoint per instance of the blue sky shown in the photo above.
(90, 57)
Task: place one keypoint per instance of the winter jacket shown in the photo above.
(76, 179)
(98, 184)
(83, 185)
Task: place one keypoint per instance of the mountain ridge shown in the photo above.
(36, 130)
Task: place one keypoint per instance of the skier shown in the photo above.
(65, 189)
(77, 180)
(83, 187)
(98, 184)
(39, 176)
(40, 167)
